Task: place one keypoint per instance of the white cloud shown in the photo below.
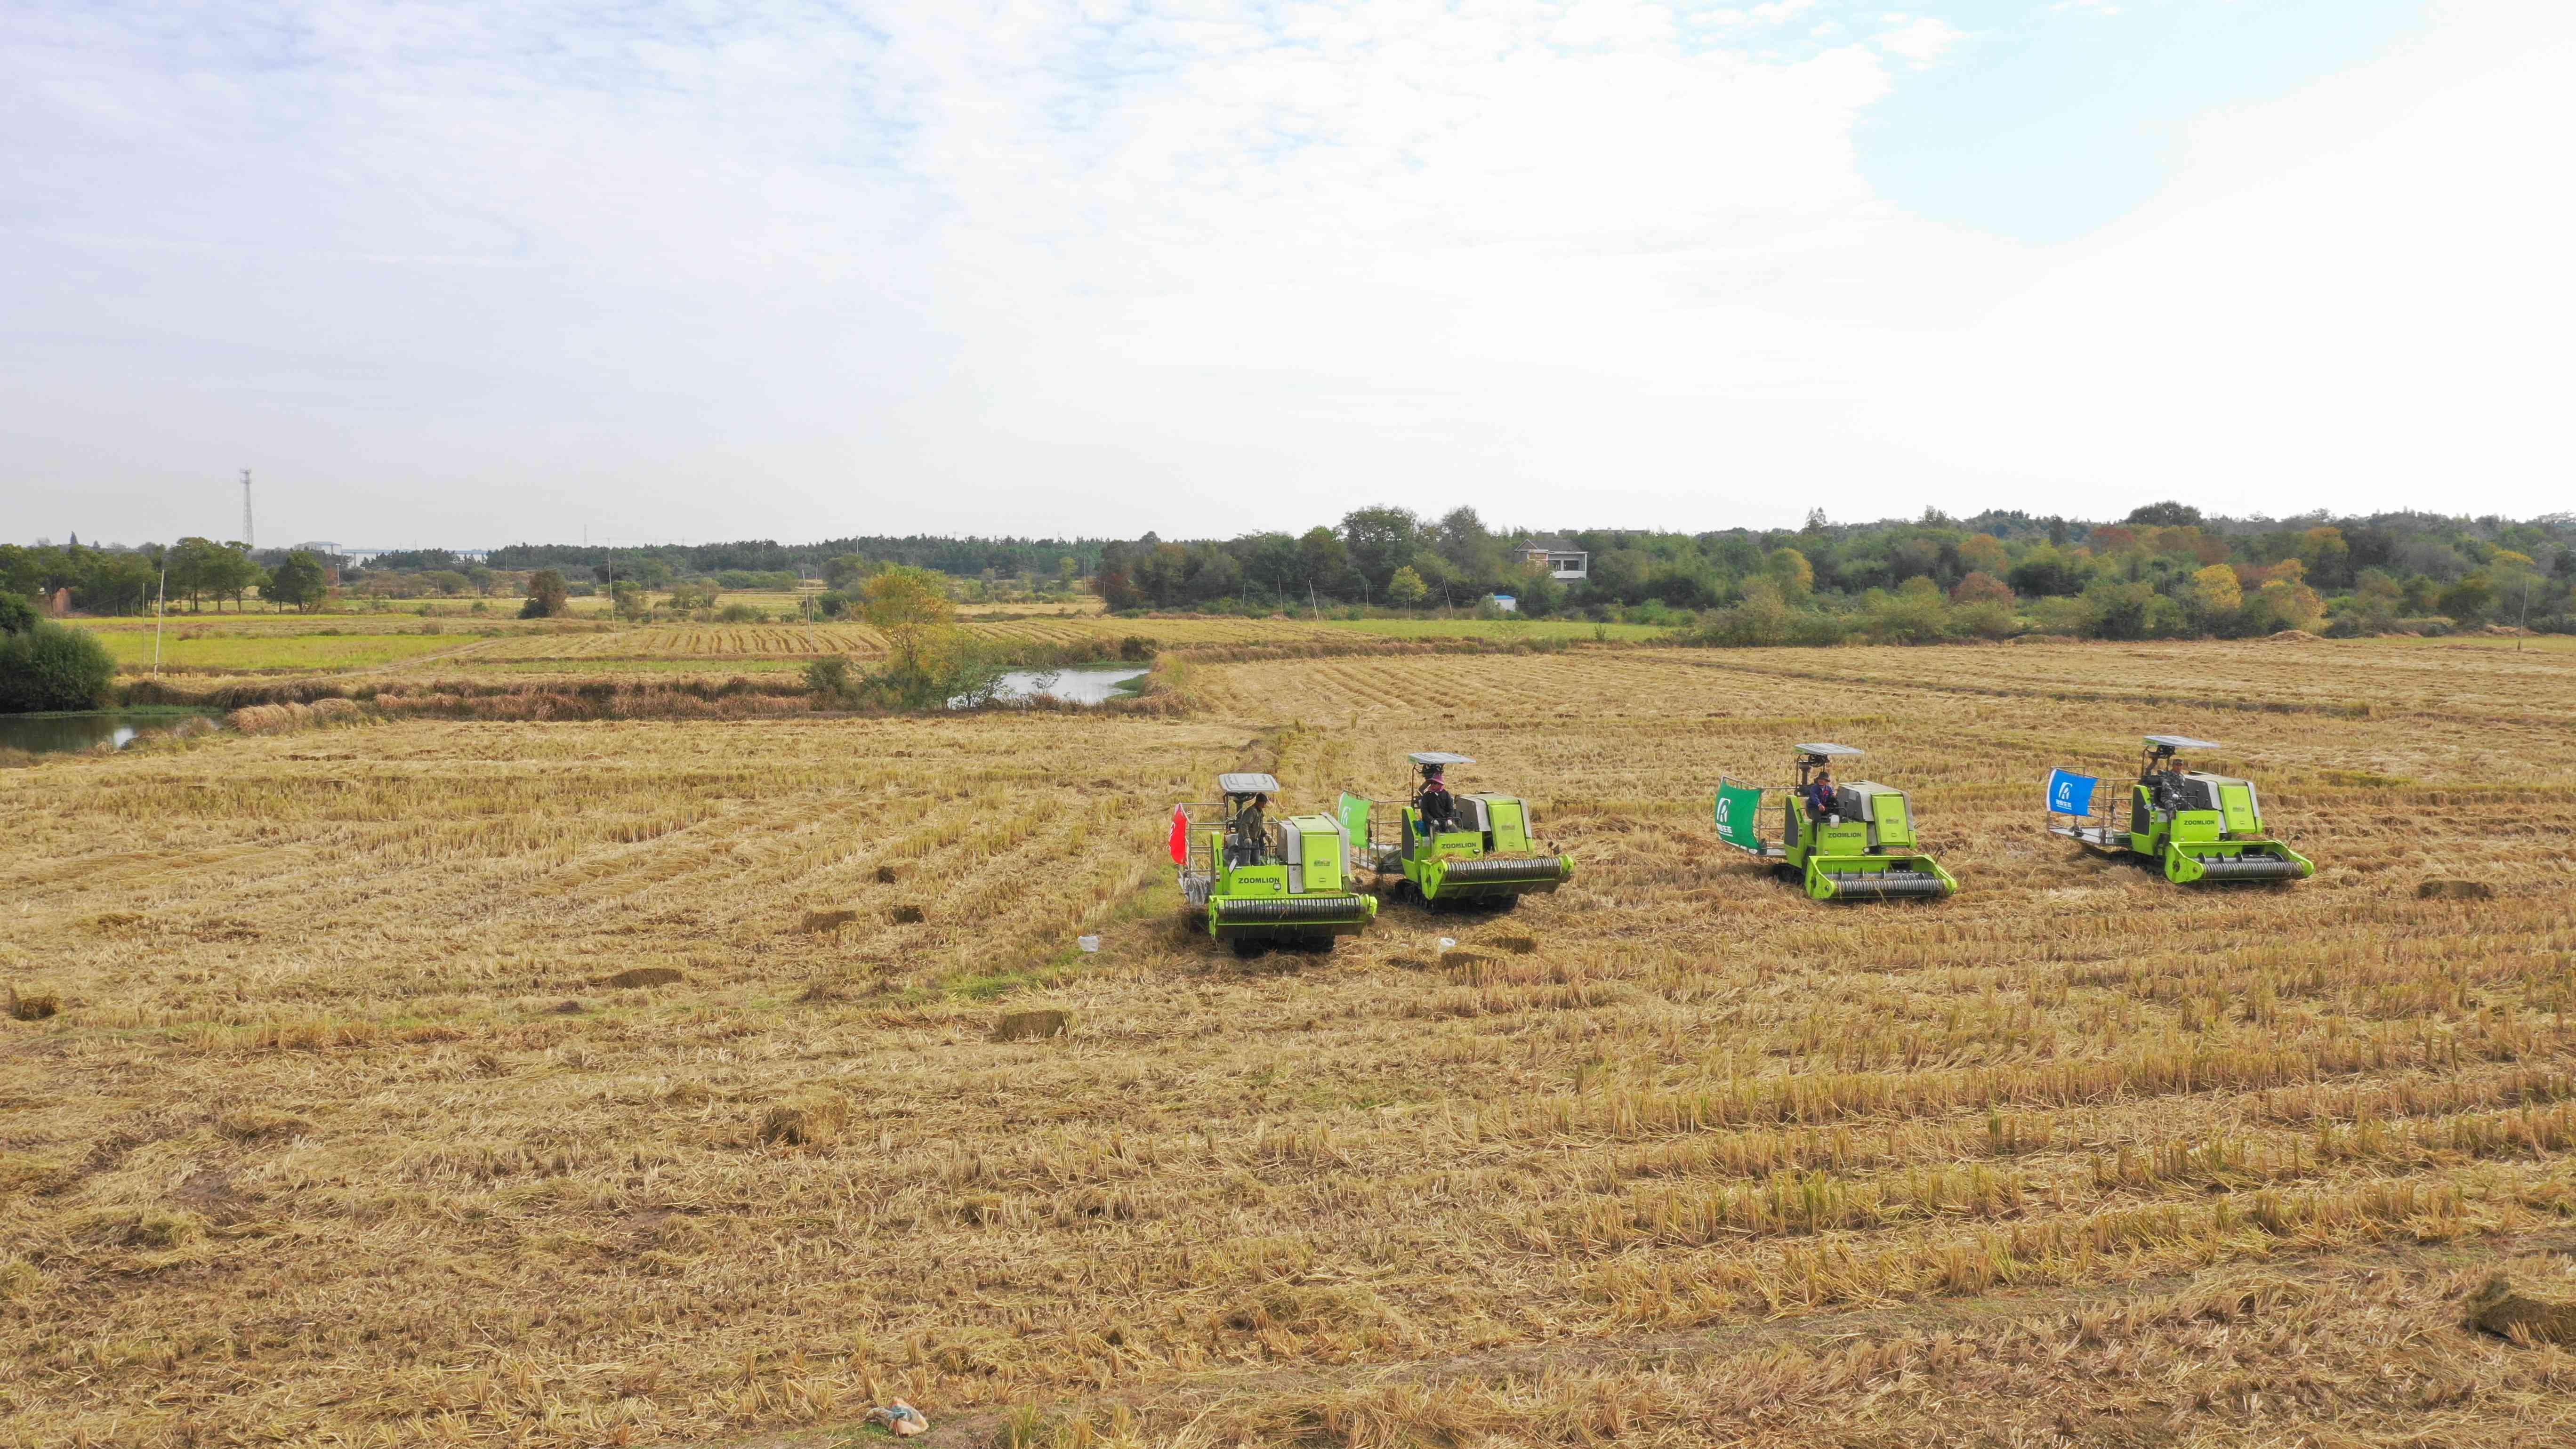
(1918, 39)
(1111, 264)
(2354, 297)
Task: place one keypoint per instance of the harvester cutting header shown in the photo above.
(1845, 842)
(2198, 827)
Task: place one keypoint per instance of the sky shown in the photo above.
(669, 270)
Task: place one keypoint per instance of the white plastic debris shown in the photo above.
(1448, 941)
(902, 1418)
(1088, 943)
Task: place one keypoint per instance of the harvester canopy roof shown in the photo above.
(1438, 757)
(1827, 750)
(2181, 742)
(1247, 784)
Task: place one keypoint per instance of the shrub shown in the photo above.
(1764, 619)
(49, 666)
(548, 596)
(829, 675)
(740, 614)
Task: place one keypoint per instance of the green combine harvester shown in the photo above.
(1265, 882)
(1862, 848)
(2198, 827)
(1474, 850)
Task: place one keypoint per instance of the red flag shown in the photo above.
(1180, 834)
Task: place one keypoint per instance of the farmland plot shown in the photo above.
(344, 1132)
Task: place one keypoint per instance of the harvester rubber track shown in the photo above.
(1504, 872)
(1292, 911)
(2247, 867)
(1886, 884)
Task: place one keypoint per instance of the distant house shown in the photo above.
(1559, 558)
(1504, 603)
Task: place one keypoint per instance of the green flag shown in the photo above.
(1736, 807)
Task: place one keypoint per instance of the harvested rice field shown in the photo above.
(639, 1082)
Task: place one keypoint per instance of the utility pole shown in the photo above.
(248, 542)
(160, 607)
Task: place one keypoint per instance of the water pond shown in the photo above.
(1073, 686)
(40, 734)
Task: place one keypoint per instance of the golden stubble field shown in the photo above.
(343, 1133)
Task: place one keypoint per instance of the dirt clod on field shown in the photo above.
(2454, 890)
(1031, 1025)
(2501, 1308)
(905, 915)
(35, 1006)
(635, 976)
(807, 1119)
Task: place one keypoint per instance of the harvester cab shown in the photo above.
(1262, 881)
(2198, 827)
(1853, 842)
(1478, 849)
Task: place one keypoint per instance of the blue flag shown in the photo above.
(2070, 794)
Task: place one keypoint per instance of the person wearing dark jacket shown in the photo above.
(1439, 808)
(1821, 800)
(1251, 833)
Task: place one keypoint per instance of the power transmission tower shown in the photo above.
(248, 542)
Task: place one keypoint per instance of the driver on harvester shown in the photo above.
(1439, 808)
(1251, 843)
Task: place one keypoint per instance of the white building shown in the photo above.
(1558, 558)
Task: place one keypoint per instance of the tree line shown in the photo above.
(193, 571)
(2162, 571)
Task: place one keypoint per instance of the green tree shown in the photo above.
(1790, 573)
(1407, 588)
(929, 660)
(547, 596)
(1379, 541)
(2469, 600)
(1914, 614)
(2164, 515)
(298, 583)
(199, 567)
(1462, 538)
(45, 665)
